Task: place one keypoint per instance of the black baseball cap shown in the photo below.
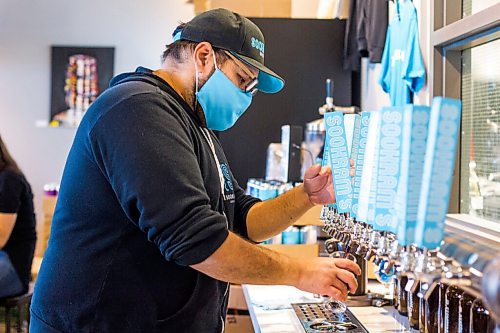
(230, 31)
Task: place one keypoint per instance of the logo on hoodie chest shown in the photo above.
(228, 184)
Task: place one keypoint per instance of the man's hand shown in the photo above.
(318, 184)
(239, 261)
(327, 276)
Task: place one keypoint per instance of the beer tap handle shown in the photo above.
(412, 159)
(444, 123)
(352, 246)
(331, 245)
(388, 167)
(365, 187)
(362, 250)
(370, 254)
(358, 153)
(339, 160)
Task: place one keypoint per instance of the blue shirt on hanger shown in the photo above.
(403, 71)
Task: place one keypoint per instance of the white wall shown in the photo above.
(137, 29)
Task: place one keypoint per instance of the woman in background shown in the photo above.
(17, 227)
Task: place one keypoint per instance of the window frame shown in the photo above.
(450, 34)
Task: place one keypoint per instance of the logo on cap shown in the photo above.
(258, 45)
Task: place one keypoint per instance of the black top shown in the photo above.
(140, 201)
(16, 198)
(365, 32)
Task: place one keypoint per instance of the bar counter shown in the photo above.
(270, 311)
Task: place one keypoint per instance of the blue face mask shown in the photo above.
(222, 101)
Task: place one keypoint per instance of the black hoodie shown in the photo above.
(140, 201)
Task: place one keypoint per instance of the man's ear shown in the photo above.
(203, 58)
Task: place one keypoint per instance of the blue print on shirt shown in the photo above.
(403, 71)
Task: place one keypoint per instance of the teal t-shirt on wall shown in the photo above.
(403, 71)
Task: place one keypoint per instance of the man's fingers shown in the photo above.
(349, 265)
(349, 279)
(337, 294)
(341, 286)
(312, 171)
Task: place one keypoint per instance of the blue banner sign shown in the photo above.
(389, 168)
(326, 155)
(350, 126)
(372, 194)
(355, 137)
(358, 153)
(368, 168)
(444, 128)
(326, 162)
(415, 130)
(339, 160)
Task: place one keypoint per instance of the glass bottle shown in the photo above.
(451, 311)
(403, 295)
(422, 306)
(395, 291)
(481, 322)
(464, 309)
(441, 306)
(432, 311)
(413, 307)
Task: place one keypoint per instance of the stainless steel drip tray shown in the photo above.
(315, 319)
